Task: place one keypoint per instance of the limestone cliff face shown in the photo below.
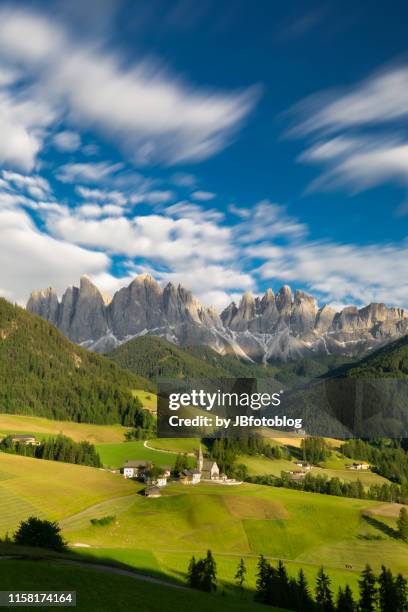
(281, 326)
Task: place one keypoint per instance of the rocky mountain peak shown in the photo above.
(281, 326)
(284, 298)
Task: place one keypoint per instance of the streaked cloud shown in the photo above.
(150, 113)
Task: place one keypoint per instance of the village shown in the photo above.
(156, 478)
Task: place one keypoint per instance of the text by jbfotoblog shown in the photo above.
(208, 401)
(238, 421)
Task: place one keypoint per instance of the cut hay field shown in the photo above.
(52, 489)
(96, 434)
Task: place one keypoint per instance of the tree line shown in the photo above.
(60, 448)
(274, 587)
(320, 483)
(225, 451)
(389, 457)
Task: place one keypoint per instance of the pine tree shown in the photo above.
(401, 592)
(240, 575)
(368, 590)
(209, 575)
(281, 584)
(323, 593)
(304, 599)
(402, 524)
(387, 590)
(192, 578)
(345, 602)
(262, 580)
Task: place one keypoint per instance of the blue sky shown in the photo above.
(229, 146)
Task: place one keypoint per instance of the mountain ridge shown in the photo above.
(279, 326)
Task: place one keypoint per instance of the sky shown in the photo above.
(228, 146)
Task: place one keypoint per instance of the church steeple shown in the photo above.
(200, 459)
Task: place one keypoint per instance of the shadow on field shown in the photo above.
(86, 560)
(383, 527)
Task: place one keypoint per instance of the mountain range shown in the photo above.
(279, 326)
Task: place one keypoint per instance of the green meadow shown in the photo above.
(104, 591)
(114, 455)
(245, 521)
(159, 536)
(40, 427)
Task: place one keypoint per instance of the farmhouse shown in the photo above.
(24, 439)
(136, 469)
(295, 474)
(190, 477)
(359, 466)
(161, 481)
(304, 464)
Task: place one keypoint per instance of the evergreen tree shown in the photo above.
(402, 524)
(192, 574)
(240, 575)
(303, 598)
(262, 580)
(281, 595)
(209, 573)
(387, 591)
(401, 593)
(368, 590)
(345, 602)
(324, 595)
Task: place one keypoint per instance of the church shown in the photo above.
(208, 468)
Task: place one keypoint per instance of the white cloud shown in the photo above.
(381, 98)
(354, 151)
(155, 237)
(36, 186)
(102, 195)
(152, 197)
(266, 220)
(30, 259)
(94, 210)
(67, 141)
(340, 272)
(203, 196)
(181, 179)
(87, 172)
(24, 120)
(151, 114)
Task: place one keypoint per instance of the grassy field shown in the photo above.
(333, 468)
(104, 592)
(51, 489)
(114, 455)
(160, 535)
(244, 521)
(96, 434)
(176, 445)
(148, 399)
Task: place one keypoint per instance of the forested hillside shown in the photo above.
(44, 374)
(153, 357)
(390, 361)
